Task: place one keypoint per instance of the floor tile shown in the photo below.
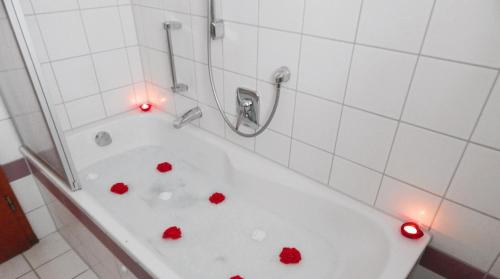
(66, 266)
(46, 250)
(14, 268)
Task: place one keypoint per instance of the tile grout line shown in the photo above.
(346, 87)
(299, 67)
(408, 93)
(122, 27)
(466, 147)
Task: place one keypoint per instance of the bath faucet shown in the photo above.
(187, 117)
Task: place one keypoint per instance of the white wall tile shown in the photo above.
(395, 24)
(56, 28)
(465, 30)
(134, 58)
(62, 117)
(277, 49)
(76, 77)
(311, 113)
(283, 118)
(119, 100)
(41, 222)
(112, 69)
(212, 120)
(50, 83)
(27, 193)
(365, 138)
(68, 265)
(4, 114)
(199, 7)
(186, 74)
(488, 128)
(324, 66)
(310, 161)
(37, 39)
(240, 49)
(178, 5)
(86, 4)
(467, 235)
(128, 25)
(424, 158)
(379, 80)
(104, 30)
(26, 6)
(476, 181)
(336, 19)
(407, 202)
(282, 14)
(205, 95)
(9, 142)
(152, 21)
(354, 180)
(47, 6)
(447, 96)
(274, 146)
(85, 110)
(161, 98)
(182, 39)
(243, 11)
(159, 68)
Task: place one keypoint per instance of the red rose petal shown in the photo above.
(290, 256)
(164, 167)
(172, 233)
(119, 188)
(217, 198)
(236, 277)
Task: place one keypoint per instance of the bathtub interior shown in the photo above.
(337, 237)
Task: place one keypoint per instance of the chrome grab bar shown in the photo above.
(169, 26)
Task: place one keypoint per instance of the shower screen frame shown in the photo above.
(26, 48)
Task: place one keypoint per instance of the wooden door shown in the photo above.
(16, 235)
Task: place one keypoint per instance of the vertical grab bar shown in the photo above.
(169, 26)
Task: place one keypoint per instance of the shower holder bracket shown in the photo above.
(172, 25)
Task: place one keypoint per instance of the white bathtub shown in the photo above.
(338, 237)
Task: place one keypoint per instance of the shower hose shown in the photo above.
(214, 90)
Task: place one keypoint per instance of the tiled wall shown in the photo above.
(393, 102)
(89, 57)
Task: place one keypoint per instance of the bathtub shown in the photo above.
(267, 207)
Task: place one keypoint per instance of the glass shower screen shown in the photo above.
(23, 96)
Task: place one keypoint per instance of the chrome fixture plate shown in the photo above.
(248, 104)
(217, 29)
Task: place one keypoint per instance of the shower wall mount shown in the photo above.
(169, 26)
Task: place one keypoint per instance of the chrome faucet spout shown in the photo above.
(188, 117)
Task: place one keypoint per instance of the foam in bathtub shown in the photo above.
(216, 241)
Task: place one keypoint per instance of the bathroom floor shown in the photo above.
(51, 258)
